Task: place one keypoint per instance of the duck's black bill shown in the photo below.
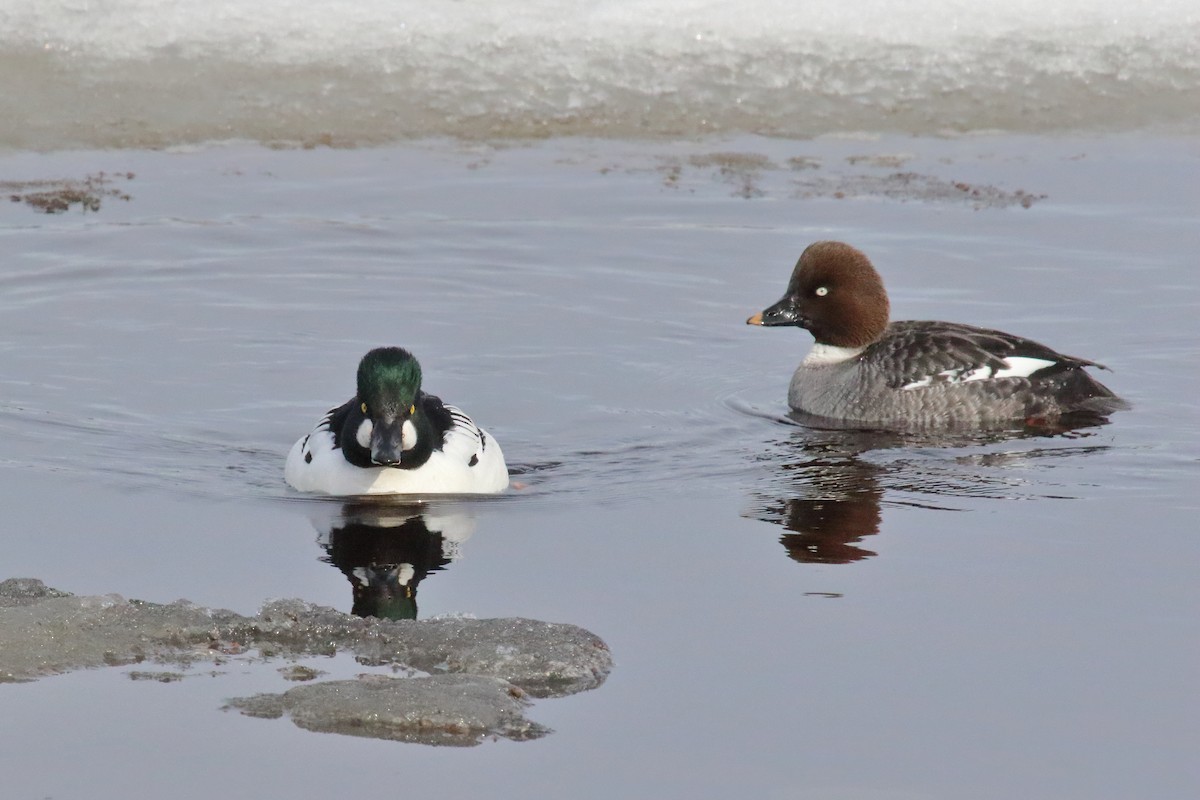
(386, 442)
(782, 313)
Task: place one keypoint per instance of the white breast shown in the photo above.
(470, 462)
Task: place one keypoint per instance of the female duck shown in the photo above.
(916, 374)
(392, 438)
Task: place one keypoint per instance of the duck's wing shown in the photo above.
(462, 440)
(917, 354)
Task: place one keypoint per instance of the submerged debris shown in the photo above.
(905, 186)
(476, 672)
(740, 170)
(58, 196)
(161, 677)
(877, 176)
(299, 672)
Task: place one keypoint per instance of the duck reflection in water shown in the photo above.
(840, 508)
(829, 485)
(385, 551)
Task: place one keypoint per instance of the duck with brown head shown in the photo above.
(916, 374)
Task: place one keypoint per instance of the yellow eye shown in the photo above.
(364, 408)
(412, 409)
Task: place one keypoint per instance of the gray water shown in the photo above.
(793, 613)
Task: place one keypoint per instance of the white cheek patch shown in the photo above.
(405, 574)
(1015, 367)
(408, 435)
(363, 434)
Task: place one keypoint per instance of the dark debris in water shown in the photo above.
(59, 196)
(299, 672)
(477, 672)
(878, 176)
(914, 186)
(164, 676)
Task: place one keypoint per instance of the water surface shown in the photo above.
(794, 613)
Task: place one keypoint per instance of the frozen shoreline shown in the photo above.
(153, 74)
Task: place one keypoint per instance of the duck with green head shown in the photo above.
(393, 438)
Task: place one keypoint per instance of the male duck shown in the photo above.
(916, 374)
(392, 438)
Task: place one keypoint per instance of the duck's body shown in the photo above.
(943, 373)
(392, 438)
(916, 374)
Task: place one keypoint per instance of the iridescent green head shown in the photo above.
(389, 379)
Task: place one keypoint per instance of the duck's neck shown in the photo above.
(824, 355)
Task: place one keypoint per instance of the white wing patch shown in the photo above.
(1022, 366)
(463, 440)
(1015, 367)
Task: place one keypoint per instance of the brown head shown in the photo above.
(836, 294)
